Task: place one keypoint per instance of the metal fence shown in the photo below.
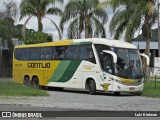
(152, 74)
(5, 72)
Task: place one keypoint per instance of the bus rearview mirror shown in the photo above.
(113, 55)
(147, 58)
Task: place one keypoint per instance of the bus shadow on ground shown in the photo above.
(80, 91)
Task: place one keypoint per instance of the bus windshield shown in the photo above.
(128, 63)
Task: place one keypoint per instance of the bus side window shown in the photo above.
(86, 53)
(62, 55)
(45, 53)
(34, 54)
(72, 53)
(17, 53)
(42, 54)
(76, 50)
(48, 55)
(55, 55)
(62, 51)
(24, 54)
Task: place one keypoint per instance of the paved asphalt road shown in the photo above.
(73, 100)
(81, 100)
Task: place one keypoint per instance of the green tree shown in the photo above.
(39, 9)
(6, 31)
(130, 16)
(37, 37)
(7, 16)
(83, 15)
(18, 31)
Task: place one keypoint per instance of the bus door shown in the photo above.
(107, 66)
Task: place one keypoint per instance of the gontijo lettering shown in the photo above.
(38, 65)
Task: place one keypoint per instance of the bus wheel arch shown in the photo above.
(35, 81)
(91, 86)
(27, 81)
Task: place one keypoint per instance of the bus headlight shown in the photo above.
(116, 80)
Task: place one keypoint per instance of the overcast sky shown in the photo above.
(48, 27)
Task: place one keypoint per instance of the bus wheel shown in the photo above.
(117, 93)
(92, 87)
(27, 82)
(35, 83)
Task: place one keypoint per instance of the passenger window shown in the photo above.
(34, 54)
(72, 53)
(86, 53)
(55, 55)
(17, 53)
(61, 51)
(24, 54)
(45, 53)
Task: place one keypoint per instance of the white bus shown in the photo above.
(95, 64)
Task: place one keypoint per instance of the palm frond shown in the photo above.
(101, 14)
(26, 9)
(83, 11)
(38, 8)
(55, 11)
(73, 31)
(119, 30)
(99, 28)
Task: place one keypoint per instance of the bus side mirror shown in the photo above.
(147, 58)
(113, 55)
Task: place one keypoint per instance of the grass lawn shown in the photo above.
(150, 90)
(9, 88)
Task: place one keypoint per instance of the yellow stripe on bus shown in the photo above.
(57, 43)
(127, 80)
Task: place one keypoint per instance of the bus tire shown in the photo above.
(35, 83)
(27, 82)
(92, 87)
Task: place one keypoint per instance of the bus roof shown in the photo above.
(109, 42)
(104, 41)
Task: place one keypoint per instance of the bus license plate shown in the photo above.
(131, 88)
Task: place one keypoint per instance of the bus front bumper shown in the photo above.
(118, 87)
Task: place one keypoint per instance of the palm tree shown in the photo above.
(39, 9)
(132, 15)
(84, 16)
